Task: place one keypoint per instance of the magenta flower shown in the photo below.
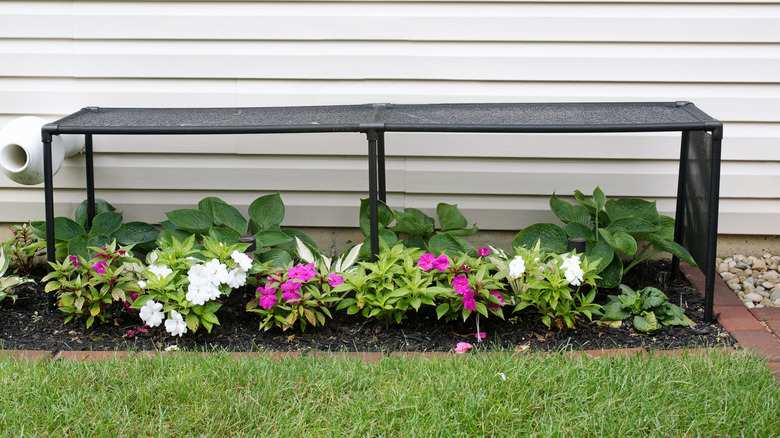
(460, 281)
(137, 330)
(466, 269)
(100, 267)
(468, 300)
(291, 291)
(426, 261)
(335, 280)
(462, 347)
(480, 335)
(267, 296)
(483, 251)
(497, 306)
(75, 261)
(131, 300)
(302, 272)
(441, 263)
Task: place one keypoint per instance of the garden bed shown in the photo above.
(25, 325)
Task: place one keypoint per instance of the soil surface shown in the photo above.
(27, 324)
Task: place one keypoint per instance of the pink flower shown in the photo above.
(273, 279)
(291, 291)
(301, 272)
(497, 306)
(137, 330)
(468, 300)
(466, 268)
(75, 261)
(426, 261)
(462, 347)
(441, 263)
(267, 296)
(483, 251)
(335, 280)
(267, 301)
(460, 281)
(480, 335)
(100, 267)
(131, 300)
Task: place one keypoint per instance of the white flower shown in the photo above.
(516, 267)
(152, 257)
(160, 271)
(151, 313)
(216, 272)
(236, 278)
(242, 259)
(200, 290)
(141, 284)
(573, 271)
(175, 324)
(172, 348)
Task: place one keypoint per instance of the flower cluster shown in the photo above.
(428, 261)
(152, 315)
(296, 291)
(206, 278)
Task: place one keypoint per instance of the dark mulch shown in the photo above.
(26, 325)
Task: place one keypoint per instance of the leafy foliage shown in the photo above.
(23, 248)
(7, 284)
(78, 238)
(560, 287)
(415, 229)
(650, 308)
(611, 229)
(86, 287)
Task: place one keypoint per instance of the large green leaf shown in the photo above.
(599, 198)
(450, 244)
(666, 228)
(586, 202)
(413, 223)
(632, 207)
(268, 238)
(646, 322)
(450, 217)
(65, 229)
(105, 224)
(101, 206)
(567, 212)
(224, 235)
(552, 237)
(230, 217)
(385, 216)
(621, 242)
(577, 229)
(600, 251)
(612, 274)
(672, 247)
(277, 257)
(136, 232)
(652, 297)
(614, 311)
(465, 231)
(266, 212)
(289, 246)
(78, 246)
(190, 219)
(632, 225)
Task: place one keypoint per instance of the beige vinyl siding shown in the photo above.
(57, 57)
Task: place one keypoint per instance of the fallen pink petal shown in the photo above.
(462, 347)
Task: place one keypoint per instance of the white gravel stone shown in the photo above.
(749, 304)
(735, 286)
(774, 296)
(755, 280)
(754, 297)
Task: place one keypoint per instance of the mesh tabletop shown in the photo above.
(499, 117)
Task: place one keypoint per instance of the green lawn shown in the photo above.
(493, 394)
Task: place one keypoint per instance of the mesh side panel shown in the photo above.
(697, 195)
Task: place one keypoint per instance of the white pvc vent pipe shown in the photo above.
(21, 150)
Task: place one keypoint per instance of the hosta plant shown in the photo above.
(220, 221)
(611, 229)
(650, 308)
(77, 237)
(416, 229)
(388, 288)
(561, 287)
(84, 288)
(182, 283)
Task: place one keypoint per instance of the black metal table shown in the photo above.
(698, 179)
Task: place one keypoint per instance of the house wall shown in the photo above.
(57, 57)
